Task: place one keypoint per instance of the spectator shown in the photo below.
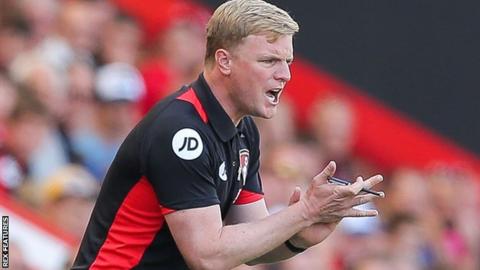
(282, 130)
(14, 38)
(118, 88)
(8, 94)
(176, 60)
(26, 128)
(67, 198)
(41, 17)
(332, 123)
(48, 86)
(283, 170)
(120, 41)
(80, 91)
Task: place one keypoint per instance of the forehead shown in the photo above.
(260, 45)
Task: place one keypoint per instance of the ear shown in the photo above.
(224, 60)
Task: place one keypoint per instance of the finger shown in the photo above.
(357, 186)
(360, 213)
(363, 199)
(295, 196)
(329, 170)
(367, 184)
(372, 181)
(345, 191)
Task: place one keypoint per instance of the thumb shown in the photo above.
(295, 196)
(329, 170)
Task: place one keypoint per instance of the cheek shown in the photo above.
(260, 74)
(251, 79)
(257, 78)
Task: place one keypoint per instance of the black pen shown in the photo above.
(346, 183)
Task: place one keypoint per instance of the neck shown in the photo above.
(219, 85)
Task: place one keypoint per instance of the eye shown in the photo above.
(268, 61)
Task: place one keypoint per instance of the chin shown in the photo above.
(269, 113)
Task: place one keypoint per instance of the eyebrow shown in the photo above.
(289, 60)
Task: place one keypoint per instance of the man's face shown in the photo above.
(259, 72)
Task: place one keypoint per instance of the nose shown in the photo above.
(283, 72)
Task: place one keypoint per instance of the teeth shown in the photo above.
(271, 97)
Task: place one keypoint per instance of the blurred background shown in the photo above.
(378, 87)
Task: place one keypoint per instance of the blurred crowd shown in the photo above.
(76, 76)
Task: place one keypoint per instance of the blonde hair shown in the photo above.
(236, 19)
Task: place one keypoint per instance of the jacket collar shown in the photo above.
(218, 118)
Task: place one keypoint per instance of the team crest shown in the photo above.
(244, 156)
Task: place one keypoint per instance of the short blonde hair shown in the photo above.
(236, 19)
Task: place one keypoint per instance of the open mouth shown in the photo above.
(274, 95)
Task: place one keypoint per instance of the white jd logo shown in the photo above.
(187, 144)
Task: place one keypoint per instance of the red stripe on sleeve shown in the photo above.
(246, 197)
(190, 96)
(165, 211)
(134, 227)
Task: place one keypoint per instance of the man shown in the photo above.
(118, 88)
(184, 189)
